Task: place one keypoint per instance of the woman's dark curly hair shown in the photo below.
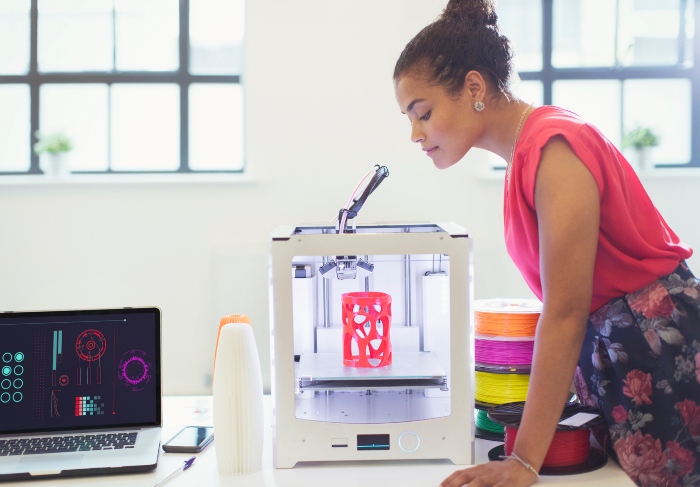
(464, 38)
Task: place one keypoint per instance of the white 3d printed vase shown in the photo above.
(238, 401)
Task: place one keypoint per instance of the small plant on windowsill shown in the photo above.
(641, 139)
(55, 146)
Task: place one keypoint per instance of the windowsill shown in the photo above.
(670, 172)
(653, 174)
(89, 179)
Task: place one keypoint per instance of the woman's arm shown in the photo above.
(568, 213)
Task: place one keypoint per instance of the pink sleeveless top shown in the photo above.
(635, 245)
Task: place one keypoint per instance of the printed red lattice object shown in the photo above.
(366, 329)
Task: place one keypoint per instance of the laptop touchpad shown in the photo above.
(48, 462)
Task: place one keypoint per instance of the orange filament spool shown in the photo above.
(506, 317)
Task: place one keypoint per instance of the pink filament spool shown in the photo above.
(503, 352)
(366, 325)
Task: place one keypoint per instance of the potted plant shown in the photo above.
(55, 146)
(641, 139)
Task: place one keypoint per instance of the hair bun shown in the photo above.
(478, 11)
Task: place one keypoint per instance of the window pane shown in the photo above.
(15, 128)
(521, 22)
(216, 36)
(147, 35)
(80, 112)
(216, 127)
(583, 33)
(145, 127)
(597, 102)
(649, 32)
(530, 91)
(75, 35)
(668, 116)
(14, 36)
(689, 32)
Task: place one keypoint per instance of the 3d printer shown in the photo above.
(420, 405)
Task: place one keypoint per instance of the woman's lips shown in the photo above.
(429, 150)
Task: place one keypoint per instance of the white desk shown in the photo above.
(179, 411)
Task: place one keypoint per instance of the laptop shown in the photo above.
(80, 392)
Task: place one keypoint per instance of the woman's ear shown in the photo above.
(475, 86)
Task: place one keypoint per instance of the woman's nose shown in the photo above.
(417, 134)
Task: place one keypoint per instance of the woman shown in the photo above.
(618, 298)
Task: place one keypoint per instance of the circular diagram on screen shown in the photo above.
(90, 345)
(134, 370)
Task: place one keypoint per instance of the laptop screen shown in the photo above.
(74, 370)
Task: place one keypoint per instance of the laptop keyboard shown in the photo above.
(62, 444)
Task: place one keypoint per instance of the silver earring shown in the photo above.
(479, 106)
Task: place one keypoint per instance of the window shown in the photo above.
(621, 65)
(138, 86)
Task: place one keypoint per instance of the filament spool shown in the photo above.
(503, 369)
(570, 451)
(567, 447)
(503, 351)
(484, 428)
(503, 346)
(500, 388)
(506, 317)
(485, 424)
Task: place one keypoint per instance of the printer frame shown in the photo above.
(301, 440)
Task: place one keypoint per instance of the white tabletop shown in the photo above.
(179, 411)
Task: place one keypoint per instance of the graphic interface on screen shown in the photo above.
(65, 372)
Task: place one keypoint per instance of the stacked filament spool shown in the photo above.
(503, 343)
(570, 451)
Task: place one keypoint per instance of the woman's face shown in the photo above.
(445, 126)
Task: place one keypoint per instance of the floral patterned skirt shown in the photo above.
(640, 364)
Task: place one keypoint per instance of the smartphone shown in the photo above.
(190, 439)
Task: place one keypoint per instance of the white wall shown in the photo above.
(320, 113)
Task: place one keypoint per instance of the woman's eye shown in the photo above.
(426, 116)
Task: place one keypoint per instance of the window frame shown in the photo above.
(549, 74)
(182, 78)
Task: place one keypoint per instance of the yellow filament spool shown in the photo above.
(492, 388)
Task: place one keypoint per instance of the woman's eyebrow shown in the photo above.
(410, 105)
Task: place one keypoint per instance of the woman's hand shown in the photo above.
(508, 473)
